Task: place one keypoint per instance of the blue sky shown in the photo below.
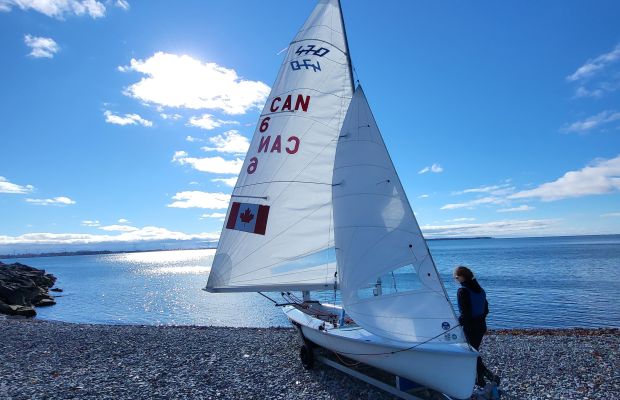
(125, 121)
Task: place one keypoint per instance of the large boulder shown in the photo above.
(10, 309)
(22, 287)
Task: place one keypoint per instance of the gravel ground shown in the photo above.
(53, 360)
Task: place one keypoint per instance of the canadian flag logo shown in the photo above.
(248, 217)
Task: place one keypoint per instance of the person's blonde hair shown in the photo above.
(463, 271)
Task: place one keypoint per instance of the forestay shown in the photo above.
(389, 284)
(278, 233)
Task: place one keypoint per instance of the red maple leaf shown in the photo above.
(247, 216)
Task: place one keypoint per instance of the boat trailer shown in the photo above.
(400, 387)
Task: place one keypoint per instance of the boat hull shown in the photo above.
(447, 368)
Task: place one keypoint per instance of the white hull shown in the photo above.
(447, 368)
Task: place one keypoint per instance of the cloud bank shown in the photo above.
(600, 177)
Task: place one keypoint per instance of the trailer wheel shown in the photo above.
(307, 357)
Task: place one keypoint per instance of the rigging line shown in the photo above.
(298, 115)
(362, 165)
(355, 364)
(269, 182)
(268, 298)
(401, 350)
(250, 197)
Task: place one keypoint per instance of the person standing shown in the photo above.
(474, 308)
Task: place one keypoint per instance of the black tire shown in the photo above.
(307, 357)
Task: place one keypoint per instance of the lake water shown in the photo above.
(530, 282)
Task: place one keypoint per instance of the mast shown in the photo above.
(346, 45)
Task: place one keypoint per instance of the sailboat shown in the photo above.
(318, 207)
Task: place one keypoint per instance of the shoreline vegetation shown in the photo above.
(56, 360)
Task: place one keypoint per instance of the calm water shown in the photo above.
(533, 282)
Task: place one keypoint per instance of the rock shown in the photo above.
(22, 287)
(10, 309)
(45, 303)
(56, 289)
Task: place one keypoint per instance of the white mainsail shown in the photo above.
(389, 284)
(278, 233)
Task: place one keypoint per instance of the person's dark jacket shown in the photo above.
(465, 305)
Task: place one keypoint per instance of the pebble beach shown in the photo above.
(55, 360)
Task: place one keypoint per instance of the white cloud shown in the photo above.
(227, 181)
(229, 142)
(423, 196)
(433, 168)
(8, 187)
(600, 177)
(209, 122)
(173, 117)
(123, 221)
(181, 81)
(495, 190)
(615, 214)
(592, 66)
(93, 223)
(592, 122)
(193, 139)
(41, 47)
(119, 228)
(584, 92)
(517, 209)
(147, 233)
(128, 119)
(56, 201)
(495, 228)
(124, 4)
(213, 215)
(460, 219)
(57, 8)
(216, 165)
(197, 199)
(473, 203)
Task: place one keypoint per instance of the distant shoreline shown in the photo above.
(90, 253)
(99, 252)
